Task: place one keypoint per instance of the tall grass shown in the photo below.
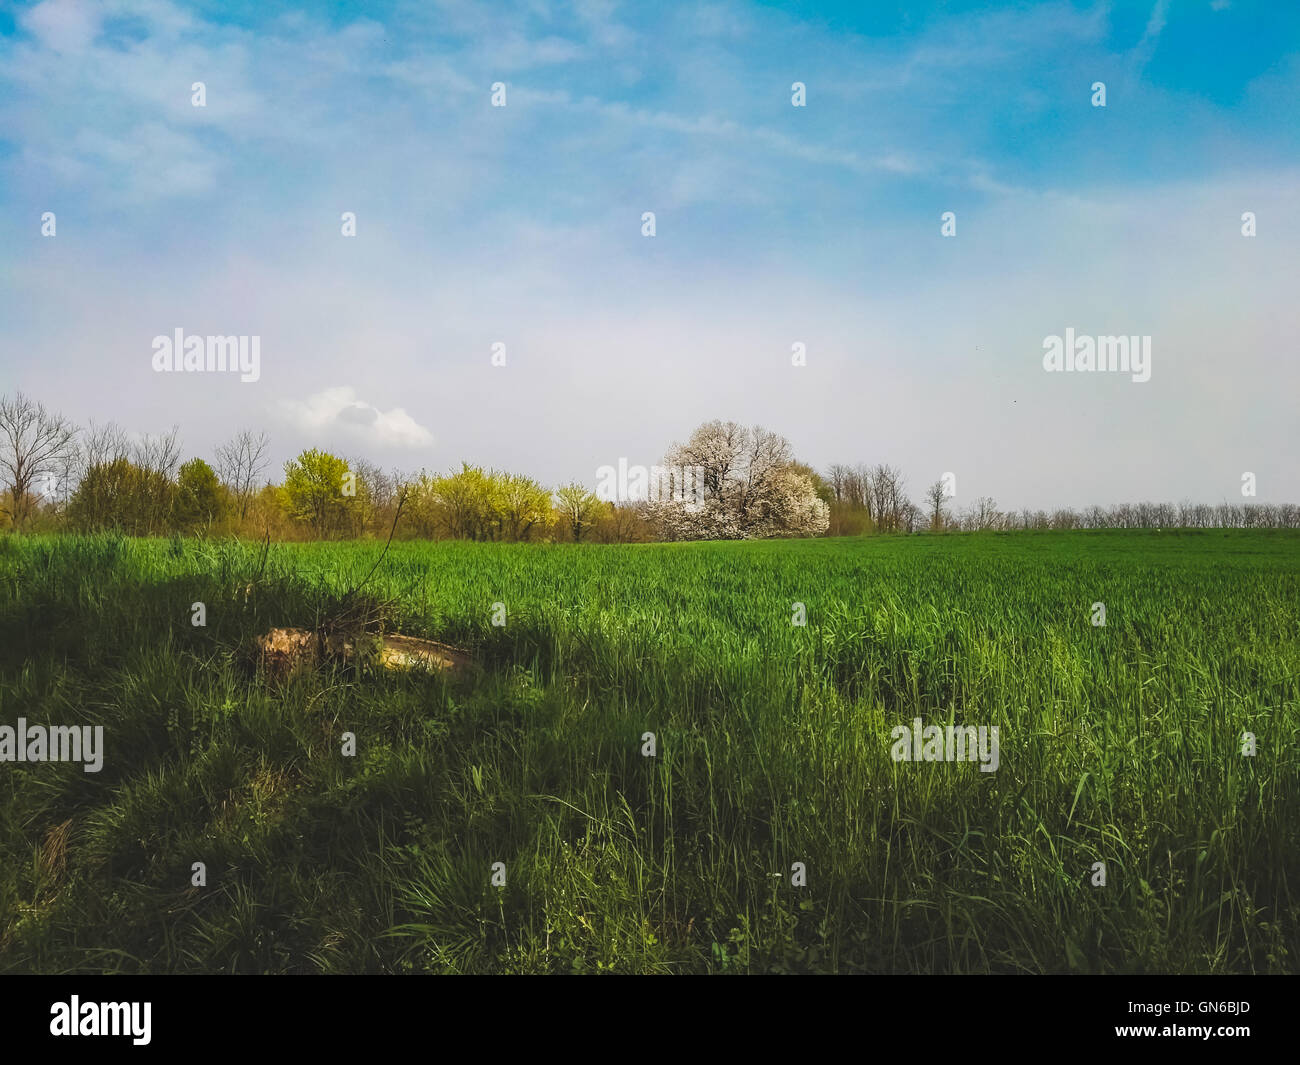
(1119, 744)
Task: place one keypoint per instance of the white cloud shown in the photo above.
(65, 26)
(337, 410)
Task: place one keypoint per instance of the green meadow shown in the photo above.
(1120, 744)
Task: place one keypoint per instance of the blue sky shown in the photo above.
(775, 225)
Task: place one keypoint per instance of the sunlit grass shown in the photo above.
(1118, 744)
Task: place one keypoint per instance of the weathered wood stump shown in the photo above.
(281, 652)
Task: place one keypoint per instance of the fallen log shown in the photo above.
(285, 650)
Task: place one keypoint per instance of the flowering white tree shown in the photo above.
(751, 488)
(791, 507)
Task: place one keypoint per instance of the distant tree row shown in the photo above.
(727, 481)
(867, 499)
(1185, 515)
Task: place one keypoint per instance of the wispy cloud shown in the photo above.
(1146, 47)
(522, 224)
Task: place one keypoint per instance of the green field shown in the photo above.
(1120, 744)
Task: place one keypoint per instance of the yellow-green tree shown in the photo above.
(578, 508)
(320, 491)
(478, 504)
(521, 507)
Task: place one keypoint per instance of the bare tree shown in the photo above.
(860, 488)
(101, 470)
(103, 444)
(156, 456)
(986, 514)
(159, 453)
(66, 478)
(33, 445)
(624, 522)
(888, 498)
(838, 477)
(934, 496)
(910, 516)
(241, 461)
(378, 492)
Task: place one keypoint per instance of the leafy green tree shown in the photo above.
(120, 495)
(320, 491)
(199, 499)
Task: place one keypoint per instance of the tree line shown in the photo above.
(59, 476)
(748, 484)
(869, 499)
